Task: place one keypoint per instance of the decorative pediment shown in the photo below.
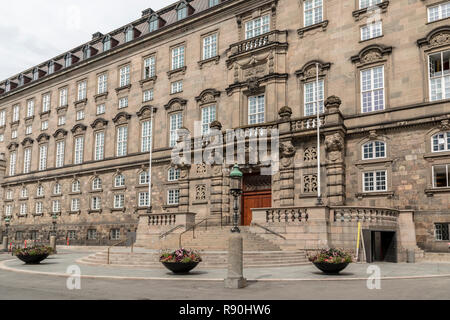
(122, 117)
(371, 54)
(176, 104)
(60, 133)
(99, 123)
(308, 71)
(208, 96)
(146, 111)
(43, 137)
(444, 125)
(78, 128)
(436, 38)
(27, 142)
(13, 146)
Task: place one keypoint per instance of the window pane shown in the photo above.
(440, 176)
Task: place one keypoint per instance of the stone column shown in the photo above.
(235, 278)
(287, 153)
(335, 152)
(184, 187)
(216, 179)
(5, 244)
(53, 243)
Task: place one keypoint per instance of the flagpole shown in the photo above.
(150, 162)
(316, 93)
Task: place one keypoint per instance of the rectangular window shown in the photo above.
(256, 109)
(208, 116)
(313, 12)
(314, 95)
(80, 115)
(63, 97)
(96, 203)
(176, 122)
(30, 108)
(149, 67)
(147, 95)
(42, 157)
(8, 210)
(29, 130)
(124, 76)
(374, 181)
(101, 109)
(372, 89)
(146, 136)
(372, 30)
(119, 200)
(210, 46)
(16, 114)
(213, 3)
(72, 235)
(13, 134)
(439, 75)
(99, 146)
(122, 137)
(23, 209)
(173, 174)
(75, 205)
(92, 234)
(44, 125)
(439, 12)
(102, 86)
(173, 197)
(40, 191)
(115, 234)
(144, 177)
(143, 199)
(441, 231)
(2, 118)
(61, 120)
(441, 142)
(79, 146)
(153, 25)
(56, 206)
(60, 145)
(441, 176)
(177, 58)
(368, 3)
(26, 160)
(176, 87)
(182, 13)
(38, 208)
(46, 102)
(82, 90)
(12, 163)
(123, 102)
(2, 137)
(19, 235)
(257, 27)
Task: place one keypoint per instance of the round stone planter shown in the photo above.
(179, 267)
(33, 259)
(331, 268)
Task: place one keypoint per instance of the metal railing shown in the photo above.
(165, 234)
(115, 245)
(268, 230)
(193, 230)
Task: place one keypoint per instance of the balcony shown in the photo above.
(275, 37)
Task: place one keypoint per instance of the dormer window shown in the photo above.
(128, 34)
(106, 43)
(86, 52)
(153, 24)
(51, 67)
(68, 60)
(182, 11)
(35, 74)
(21, 80)
(8, 86)
(213, 3)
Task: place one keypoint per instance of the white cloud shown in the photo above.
(35, 31)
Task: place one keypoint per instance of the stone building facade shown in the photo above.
(87, 118)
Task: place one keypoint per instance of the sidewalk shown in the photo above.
(57, 266)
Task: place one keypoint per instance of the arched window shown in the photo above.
(181, 11)
(441, 142)
(106, 43)
(97, 184)
(119, 181)
(68, 60)
(144, 177)
(57, 188)
(76, 186)
(173, 174)
(86, 52)
(24, 193)
(374, 150)
(40, 191)
(128, 34)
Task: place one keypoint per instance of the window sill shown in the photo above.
(435, 21)
(215, 59)
(308, 195)
(362, 163)
(430, 192)
(323, 25)
(171, 73)
(39, 197)
(117, 209)
(74, 212)
(80, 103)
(45, 113)
(8, 200)
(387, 194)
(174, 93)
(22, 215)
(15, 123)
(31, 118)
(199, 202)
(123, 89)
(170, 206)
(150, 80)
(96, 191)
(101, 96)
(74, 193)
(56, 195)
(37, 214)
(357, 14)
(119, 188)
(436, 155)
(62, 108)
(95, 211)
(141, 186)
(374, 38)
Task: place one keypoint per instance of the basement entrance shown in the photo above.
(257, 193)
(380, 246)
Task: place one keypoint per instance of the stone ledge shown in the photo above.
(323, 25)
(215, 59)
(431, 191)
(181, 70)
(148, 80)
(388, 194)
(358, 13)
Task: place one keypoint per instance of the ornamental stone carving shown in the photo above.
(445, 125)
(310, 154)
(285, 113)
(436, 38)
(310, 183)
(287, 152)
(200, 192)
(334, 144)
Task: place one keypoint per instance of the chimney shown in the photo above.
(97, 35)
(148, 11)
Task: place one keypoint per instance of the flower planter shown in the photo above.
(331, 268)
(180, 267)
(33, 259)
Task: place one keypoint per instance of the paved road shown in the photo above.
(26, 286)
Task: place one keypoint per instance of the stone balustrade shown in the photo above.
(257, 42)
(171, 219)
(291, 215)
(370, 215)
(306, 123)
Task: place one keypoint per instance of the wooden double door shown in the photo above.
(257, 193)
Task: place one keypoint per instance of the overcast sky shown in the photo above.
(34, 31)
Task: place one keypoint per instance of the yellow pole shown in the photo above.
(357, 243)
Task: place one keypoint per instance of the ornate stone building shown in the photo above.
(76, 131)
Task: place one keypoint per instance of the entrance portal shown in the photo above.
(257, 193)
(380, 246)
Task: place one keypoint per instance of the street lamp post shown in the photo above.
(7, 220)
(53, 236)
(5, 238)
(54, 217)
(235, 278)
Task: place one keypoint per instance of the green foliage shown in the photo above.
(180, 255)
(33, 251)
(331, 256)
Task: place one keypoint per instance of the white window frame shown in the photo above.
(371, 30)
(40, 191)
(96, 203)
(44, 125)
(374, 181)
(144, 199)
(119, 181)
(173, 196)
(373, 145)
(119, 201)
(43, 149)
(79, 150)
(372, 90)
(2, 118)
(146, 135)
(23, 209)
(370, 3)
(124, 76)
(57, 189)
(61, 120)
(257, 27)
(56, 206)
(30, 108)
(102, 83)
(122, 141)
(175, 123)
(176, 87)
(442, 146)
(26, 160)
(257, 116)
(75, 205)
(308, 102)
(147, 95)
(173, 174)
(60, 149)
(442, 13)
(80, 115)
(123, 102)
(210, 46)
(82, 90)
(149, 67)
(447, 168)
(16, 113)
(46, 102)
(209, 114)
(38, 208)
(76, 186)
(178, 57)
(144, 178)
(97, 184)
(445, 89)
(115, 234)
(438, 233)
(99, 149)
(313, 10)
(101, 109)
(63, 97)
